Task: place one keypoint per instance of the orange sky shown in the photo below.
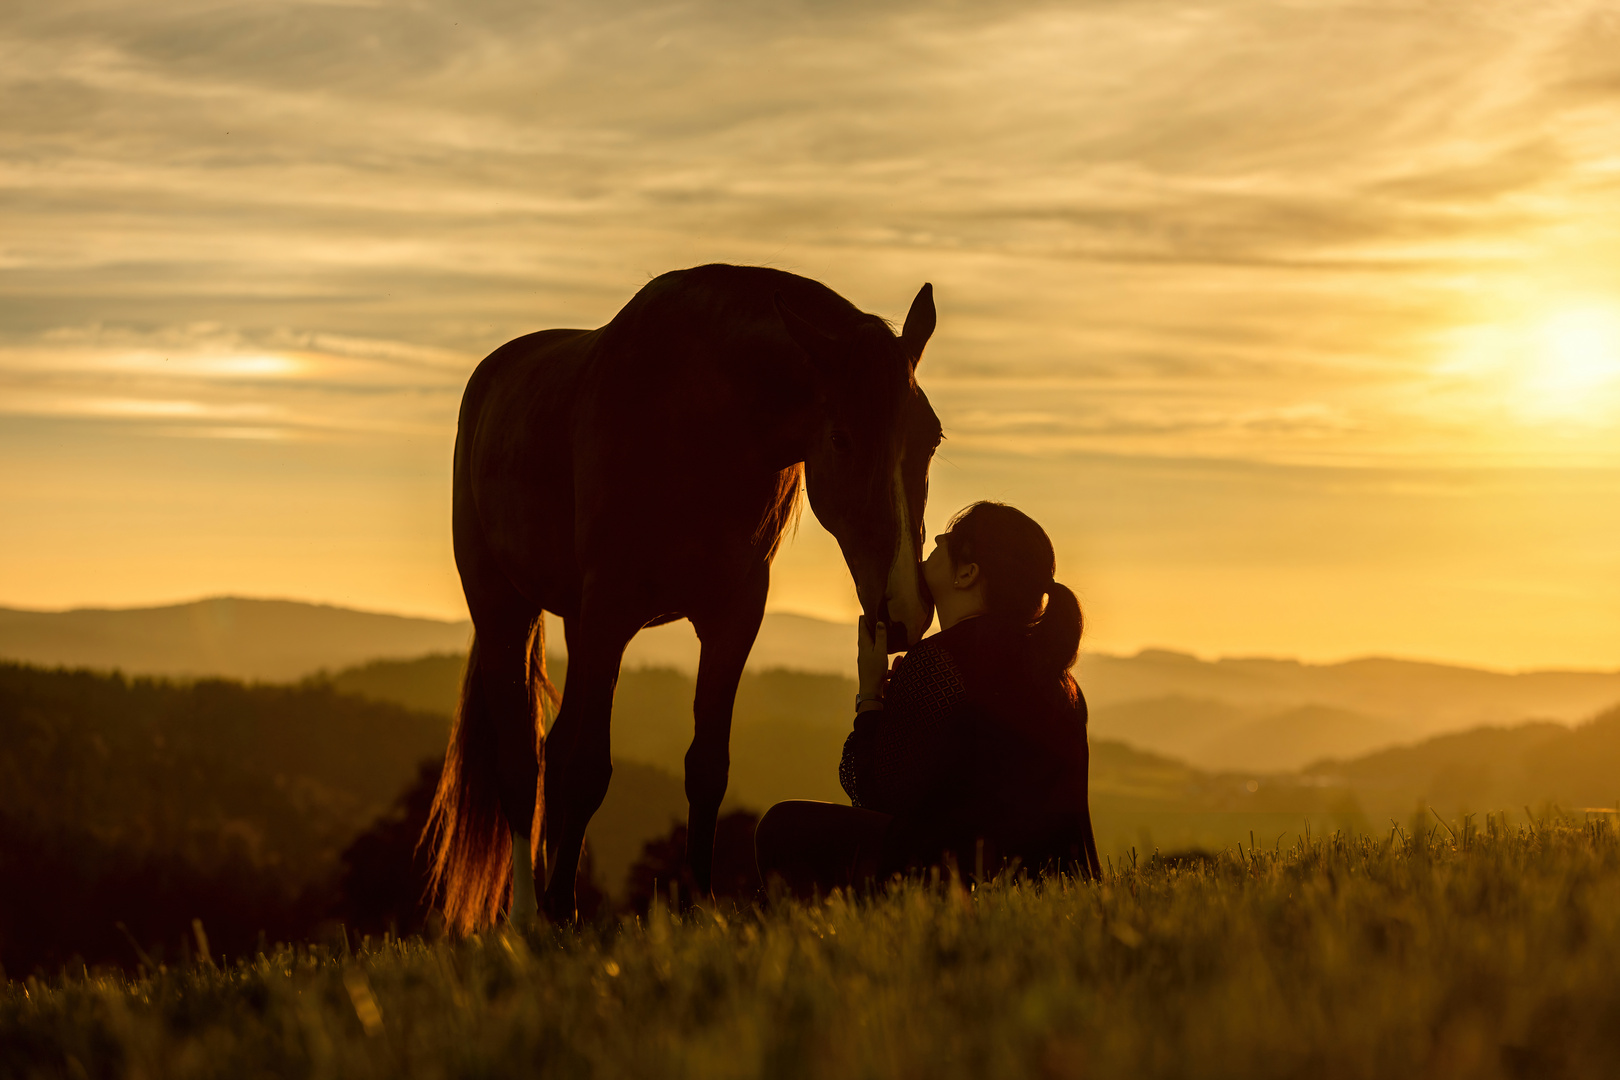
(1299, 325)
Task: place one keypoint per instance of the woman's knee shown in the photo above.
(772, 834)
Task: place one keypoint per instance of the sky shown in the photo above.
(1297, 324)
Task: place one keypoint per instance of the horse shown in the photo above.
(639, 473)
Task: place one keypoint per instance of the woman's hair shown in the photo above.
(1015, 556)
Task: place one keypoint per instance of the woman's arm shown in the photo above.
(897, 751)
(871, 665)
(872, 673)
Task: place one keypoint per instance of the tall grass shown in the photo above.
(1454, 952)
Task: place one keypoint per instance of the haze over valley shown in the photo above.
(1253, 714)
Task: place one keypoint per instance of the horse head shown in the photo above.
(866, 472)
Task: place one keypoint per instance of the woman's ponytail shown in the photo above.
(1055, 638)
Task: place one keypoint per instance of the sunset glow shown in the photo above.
(1299, 326)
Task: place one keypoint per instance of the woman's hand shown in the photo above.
(872, 658)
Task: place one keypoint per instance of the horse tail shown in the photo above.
(471, 840)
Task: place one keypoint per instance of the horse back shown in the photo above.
(648, 452)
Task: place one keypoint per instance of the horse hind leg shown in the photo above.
(579, 757)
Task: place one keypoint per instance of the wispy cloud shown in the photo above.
(1257, 231)
(1301, 200)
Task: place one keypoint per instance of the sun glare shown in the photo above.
(1561, 366)
(248, 365)
(1578, 352)
(205, 365)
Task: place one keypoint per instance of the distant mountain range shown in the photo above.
(279, 640)
(271, 640)
(1264, 714)
(1239, 714)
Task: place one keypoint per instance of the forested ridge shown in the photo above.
(149, 803)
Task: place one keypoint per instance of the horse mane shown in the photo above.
(782, 514)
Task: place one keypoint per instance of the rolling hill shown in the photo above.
(1489, 769)
(1272, 734)
(787, 729)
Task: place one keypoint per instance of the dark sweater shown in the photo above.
(976, 756)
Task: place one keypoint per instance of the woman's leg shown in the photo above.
(815, 847)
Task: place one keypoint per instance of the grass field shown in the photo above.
(1488, 953)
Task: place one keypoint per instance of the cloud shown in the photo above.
(1176, 196)
(208, 380)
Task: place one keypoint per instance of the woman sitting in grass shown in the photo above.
(973, 749)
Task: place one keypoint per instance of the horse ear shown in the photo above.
(808, 337)
(919, 323)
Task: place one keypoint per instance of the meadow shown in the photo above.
(1462, 949)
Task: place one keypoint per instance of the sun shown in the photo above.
(1555, 367)
(1574, 353)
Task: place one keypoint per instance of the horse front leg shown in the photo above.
(727, 637)
(579, 754)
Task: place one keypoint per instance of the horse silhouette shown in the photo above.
(640, 473)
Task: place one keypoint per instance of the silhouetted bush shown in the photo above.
(71, 897)
(385, 872)
(663, 861)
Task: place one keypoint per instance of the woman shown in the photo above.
(974, 747)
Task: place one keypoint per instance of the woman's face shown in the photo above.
(938, 571)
